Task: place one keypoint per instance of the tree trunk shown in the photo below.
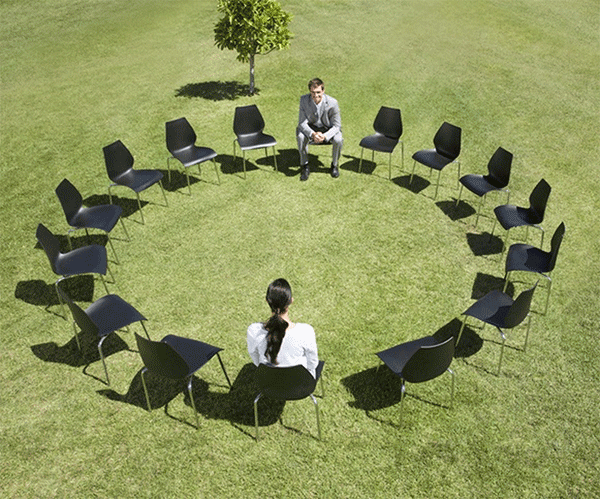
(252, 74)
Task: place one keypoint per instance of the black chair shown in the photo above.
(286, 383)
(181, 143)
(388, 130)
(175, 357)
(495, 181)
(420, 360)
(85, 260)
(106, 315)
(103, 217)
(500, 310)
(511, 216)
(119, 166)
(447, 142)
(526, 258)
(248, 126)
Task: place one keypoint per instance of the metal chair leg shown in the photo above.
(362, 150)
(256, 414)
(317, 412)
(146, 389)
(275, 159)
(461, 329)
(102, 358)
(217, 171)
(193, 403)
(224, 371)
(163, 192)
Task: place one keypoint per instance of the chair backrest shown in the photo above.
(247, 120)
(447, 140)
(79, 316)
(388, 122)
(285, 383)
(555, 245)
(118, 159)
(50, 244)
(519, 309)
(161, 359)
(180, 134)
(538, 199)
(70, 199)
(429, 362)
(499, 168)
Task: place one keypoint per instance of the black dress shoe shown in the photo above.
(335, 173)
(305, 173)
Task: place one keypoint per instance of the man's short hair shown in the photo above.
(315, 82)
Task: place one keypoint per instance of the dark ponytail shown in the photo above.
(279, 297)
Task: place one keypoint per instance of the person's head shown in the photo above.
(279, 298)
(316, 89)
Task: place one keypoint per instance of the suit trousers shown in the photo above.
(303, 142)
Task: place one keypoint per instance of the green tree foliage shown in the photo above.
(252, 27)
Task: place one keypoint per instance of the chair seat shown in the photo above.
(397, 357)
(138, 180)
(193, 155)
(195, 353)
(515, 216)
(492, 308)
(478, 184)
(111, 313)
(432, 159)
(527, 258)
(379, 142)
(103, 217)
(256, 141)
(86, 260)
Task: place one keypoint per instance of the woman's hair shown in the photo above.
(279, 297)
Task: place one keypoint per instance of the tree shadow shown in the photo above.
(215, 90)
(453, 212)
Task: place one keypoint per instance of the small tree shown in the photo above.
(252, 27)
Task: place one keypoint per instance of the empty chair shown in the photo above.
(500, 310)
(286, 383)
(181, 143)
(248, 126)
(85, 260)
(107, 314)
(103, 217)
(447, 148)
(526, 258)
(388, 129)
(495, 181)
(119, 166)
(511, 216)
(176, 357)
(420, 360)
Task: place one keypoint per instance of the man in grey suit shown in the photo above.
(319, 122)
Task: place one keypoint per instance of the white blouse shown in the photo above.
(299, 346)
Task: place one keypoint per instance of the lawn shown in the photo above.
(372, 262)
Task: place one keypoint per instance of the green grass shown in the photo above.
(371, 262)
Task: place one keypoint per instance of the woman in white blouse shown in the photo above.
(279, 341)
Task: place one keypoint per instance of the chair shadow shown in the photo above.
(417, 185)
(235, 405)
(215, 90)
(129, 205)
(453, 212)
(37, 292)
(70, 355)
(484, 283)
(484, 244)
(179, 180)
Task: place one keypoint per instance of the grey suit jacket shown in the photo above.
(330, 115)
